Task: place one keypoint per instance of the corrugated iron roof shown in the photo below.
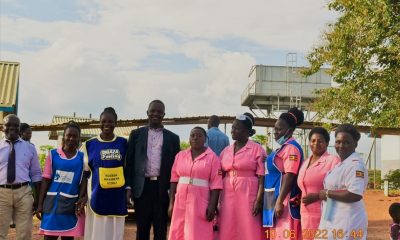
(88, 132)
(9, 77)
(92, 123)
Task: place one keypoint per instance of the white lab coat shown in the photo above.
(349, 219)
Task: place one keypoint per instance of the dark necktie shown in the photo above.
(11, 163)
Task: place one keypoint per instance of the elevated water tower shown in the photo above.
(275, 89)
(278, 88)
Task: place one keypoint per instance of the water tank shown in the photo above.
(279, 87)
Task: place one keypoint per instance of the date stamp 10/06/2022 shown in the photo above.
(271, 233)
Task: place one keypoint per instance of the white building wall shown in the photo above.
(272, 81)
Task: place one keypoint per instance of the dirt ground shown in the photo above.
(377, 206)
(379, 221)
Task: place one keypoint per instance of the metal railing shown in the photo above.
(250, 90)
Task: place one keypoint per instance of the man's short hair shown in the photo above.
(214, 120)
(156, 101)
(11, 116)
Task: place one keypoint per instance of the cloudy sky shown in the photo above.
(81, 56)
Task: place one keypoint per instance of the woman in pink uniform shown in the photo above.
(196, 180)
(281, 214)
(310, 180)
(241, 199)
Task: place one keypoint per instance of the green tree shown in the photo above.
(44, 149)
(362, 49)
(184, 145)
(378, 180)
(261, 139)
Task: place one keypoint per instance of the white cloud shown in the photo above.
(88, 65)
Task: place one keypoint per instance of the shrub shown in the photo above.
(378, 179)
(394, 178)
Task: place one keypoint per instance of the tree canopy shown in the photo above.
(362, 50)
(43, 153)
(262, 139)
(184, 145)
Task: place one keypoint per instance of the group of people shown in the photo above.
(211, 190)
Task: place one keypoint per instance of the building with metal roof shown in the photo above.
(9, 81)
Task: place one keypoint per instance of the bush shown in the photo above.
(378, 179)
(394, 178)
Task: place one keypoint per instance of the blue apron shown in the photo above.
(106, 154)
(272, 187)
(59, 204)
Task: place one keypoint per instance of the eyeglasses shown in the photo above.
(243, 117)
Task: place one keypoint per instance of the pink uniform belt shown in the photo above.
(236, 173)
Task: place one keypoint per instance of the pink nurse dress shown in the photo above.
(240, 191)
(191, 199)
(310, 180)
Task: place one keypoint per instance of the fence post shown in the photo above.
(386, 188)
